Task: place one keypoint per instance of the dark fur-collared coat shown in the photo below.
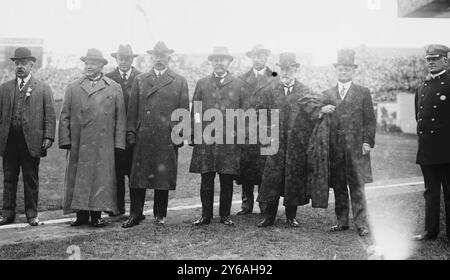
(285, 173)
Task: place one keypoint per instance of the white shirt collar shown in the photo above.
(25, 80)
(346, 86)
(160, 72)
(438, 74)
(261, 72)
(291, 84)
(221, 77)
(128, 73)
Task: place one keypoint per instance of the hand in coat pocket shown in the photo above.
(131, 140)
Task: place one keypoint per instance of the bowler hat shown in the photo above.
(288, 59)
(436, 50)
(346, 57)
(124, 50)
(257, 50)
(220, 51)
(94, 54)
(23, 53)
(160, 48)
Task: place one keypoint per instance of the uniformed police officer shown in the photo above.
(432, 106)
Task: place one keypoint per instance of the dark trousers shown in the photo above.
(345, 177)
(434, 177)
(207, 194)
(17, 156)
(248, 197)
(357, 198)
(160, 202)
(271, 210)
(83, 215)
(122, 164)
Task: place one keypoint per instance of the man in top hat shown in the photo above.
(213, 154)
(352, 129)
(124, 75)
(252, 162)
(154, 96)
(92, 129)
(27, 130)
(432, 105)
(285, 171)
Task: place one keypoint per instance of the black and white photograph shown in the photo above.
(238, 132)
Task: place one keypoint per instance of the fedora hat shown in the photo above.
(257, 50)
(346, 57)
(288, 59)
(220, 51)
(23, 53)
(94, 54)
(124, 50)
(160, 48)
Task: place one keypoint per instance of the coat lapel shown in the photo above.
(89, 89)
(161, 82)
(11, 91)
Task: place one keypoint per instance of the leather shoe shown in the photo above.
(292, 223)
(266, 222)
(423, 237)
(79, 222)
(33, 222)
(160, 220)
(226, 221)
(5, 221)
(99, 223)
(244, 212)
(132, 221)
(202, 221)
(339, 228)
(362, 231)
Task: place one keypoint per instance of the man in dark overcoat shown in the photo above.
(252, 162)
(432, 107)
(212, 154)
(27, 130)
(154, 96)
(353, 127)
(285, 172)
(124, 75)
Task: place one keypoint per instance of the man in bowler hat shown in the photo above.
(124, 75)
(27, 130)
(352, 132)
(432, 108)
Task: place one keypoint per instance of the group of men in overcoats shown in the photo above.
(120, 124)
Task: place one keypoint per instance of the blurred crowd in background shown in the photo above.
(385, 77)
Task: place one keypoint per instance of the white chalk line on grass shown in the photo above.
(187, 207)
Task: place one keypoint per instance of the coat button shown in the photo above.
(431, 131)
(442, 83)
(421, 107)
(420, 119)
(148, 112)
(433, 119)
(423, 95)
(421, 132)
(438, 93)
(434, 106)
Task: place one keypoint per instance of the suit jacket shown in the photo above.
(433, 120)
(38, 114)
(126, 87)
(354, 120)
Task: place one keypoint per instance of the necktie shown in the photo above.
(22, 83)
(342, 92)
(124, 76)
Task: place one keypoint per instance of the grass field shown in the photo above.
(393, 157)
(394, 217)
